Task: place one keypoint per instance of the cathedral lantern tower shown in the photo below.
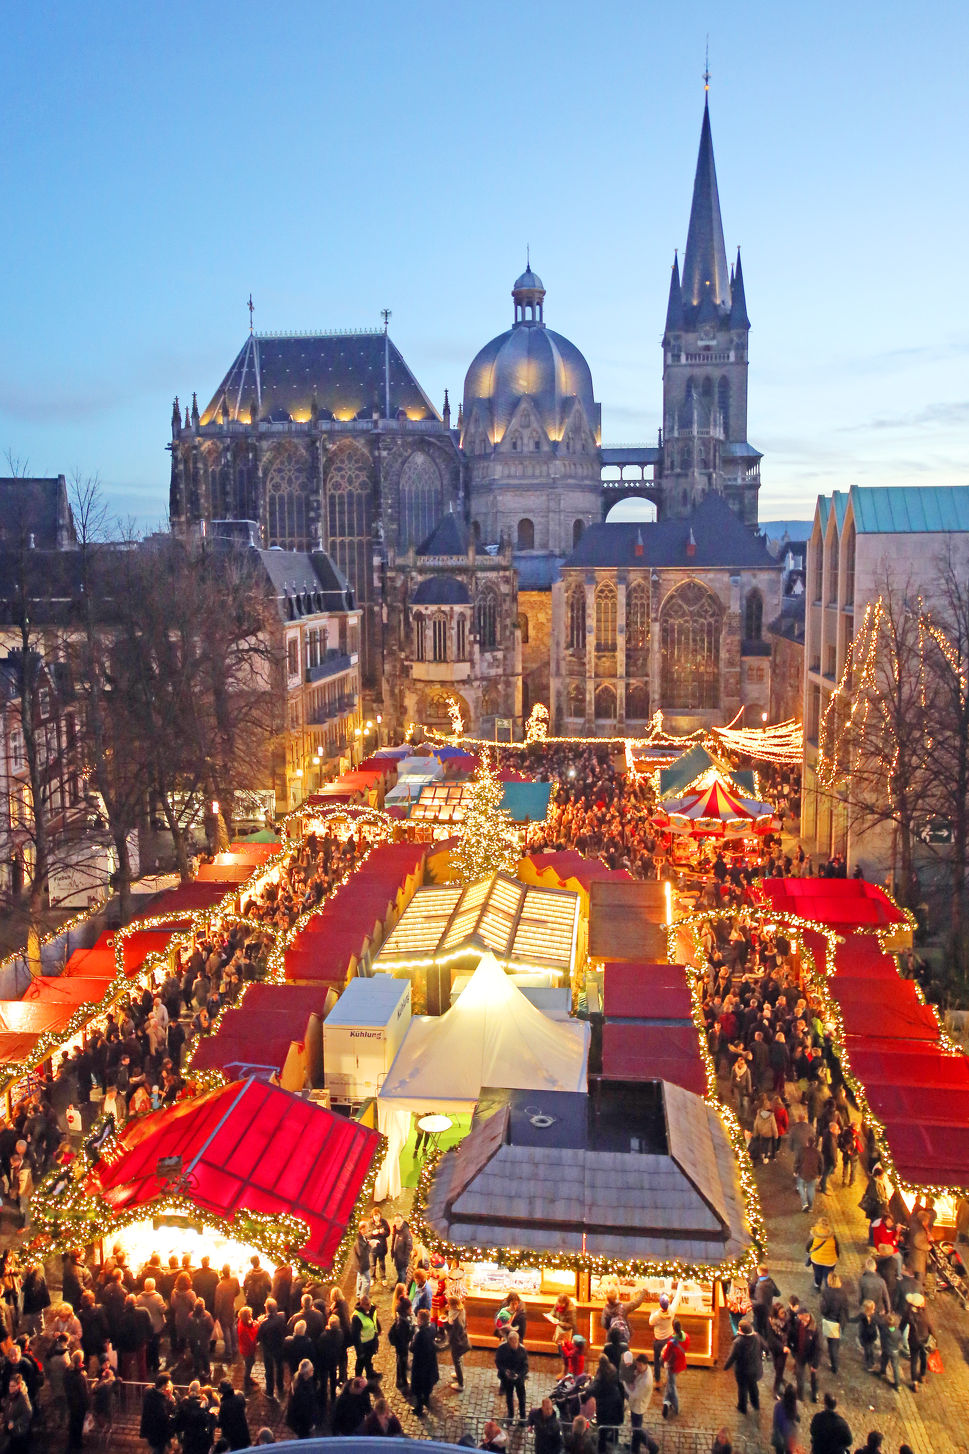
(705, 448)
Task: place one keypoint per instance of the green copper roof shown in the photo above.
(910, 509)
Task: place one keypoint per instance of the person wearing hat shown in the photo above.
(916, 1319)
(232, 1416)
(661, 1324)
(746, 1358)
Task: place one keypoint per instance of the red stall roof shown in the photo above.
(225, 873)
(568, 864)
(633, 1051)
(15, 1048)
(253, 1147)
(645, 992)
(181, 903)
(929, 1154)
(888, 1010)
(261, 1030)
(941, 1105)
(834, 901)
(90, 964)
(906, 1062)
(253, 853)
(71, 989)
(34, 1017)
(138, 945)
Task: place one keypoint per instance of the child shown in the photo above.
(868, 1331)
(573, 1355)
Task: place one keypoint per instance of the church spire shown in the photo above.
(705, 260)
(674, 309)
(738, 299)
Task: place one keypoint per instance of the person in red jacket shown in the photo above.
(248, 1330)
(674, 1357)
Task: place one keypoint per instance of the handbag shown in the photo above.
(934, 1361)
(830, 1328)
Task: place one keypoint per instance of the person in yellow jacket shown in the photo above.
(822, 1250)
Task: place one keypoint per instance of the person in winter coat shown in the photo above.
(637, 1379)
(661, 1326)
(360, 1260)
(805, 1344)
(232, 1416)
(330, 1351)
(834, 1317)
(868, 1331)
(34, 1299)
(807, 1169)
(351, 1408)
(401, 1247)
(763, 1142)
(158, 1415)
(382, 1422)
(256, 1288)
(458, 1341)
(247, 1337)
(302, 1412)
(378, 1234)
(201, 1331)
(271, 1336)
(823, 1249)
(891, 1341)
(674, 1360)
(917, 1246)
(609, 1394)
(296, 1347)
(763, 1291)
(511, 1361)
(423, 1370)
(920, 1330)
(746, 1358)
(227, 1292)
(401, 1333)
(18, 1416)
(195, 1421)
(548, 1431)
(830, 1433)
(183, 1300)
(871, 1285)
(78, 1396)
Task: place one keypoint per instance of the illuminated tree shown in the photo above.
(489, 841)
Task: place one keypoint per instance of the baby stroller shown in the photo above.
(950, 1270)
(569, 1394)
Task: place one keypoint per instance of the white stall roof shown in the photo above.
(368, 1001)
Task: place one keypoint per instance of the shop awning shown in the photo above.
(890, 1009)
(15, 1048)
(66, 990)
(178, 905)
(259, 1033)
(247, 1147)
(633, 1050)
(646, 992)
(35, 1017)
(835, 901)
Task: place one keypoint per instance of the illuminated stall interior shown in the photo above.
(634, 1184)
(440, 936)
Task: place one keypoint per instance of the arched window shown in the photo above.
(575, 611)
(606, 704)
(526, 535)
(753, 616)
(487, 621)
(576, 699)
(637, 617)
(420, 638)
(578, 526)
(523, 628)
(637, 701)
(421, 499)
(476, 531)
(605, 617)
(723, 404)
(439, 638)
(286, 502)
(690, 626)
(348, 518)
(462, 635)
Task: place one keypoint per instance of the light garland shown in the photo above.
(536, 728)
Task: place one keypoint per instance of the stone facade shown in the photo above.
(535, 634)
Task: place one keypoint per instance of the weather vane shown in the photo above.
(706, 68)
(251, 306)
(386, 315)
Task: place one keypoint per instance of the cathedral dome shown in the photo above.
(529, 360)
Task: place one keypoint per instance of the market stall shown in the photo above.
(653, 1200)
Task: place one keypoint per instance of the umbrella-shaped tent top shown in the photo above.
(716, 808)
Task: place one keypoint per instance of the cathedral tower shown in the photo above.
(704, 446)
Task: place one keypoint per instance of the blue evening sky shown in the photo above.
(162, 160)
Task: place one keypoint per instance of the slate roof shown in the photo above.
(449, 537)
(722, 540)
(504, 1187)
(441, 591)
(790, 623)
(344, 372)
(37, 507)
(537, 572)
(295, 574)
(705, 260)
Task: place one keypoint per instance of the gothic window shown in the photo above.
(487, 621)
(605, 701)
(523, 628)
(421, 499)
(690, 627)
(576, 699)
(462, 637)
(637, 702)
(576, 618)
(420, 638)
(348, 519)
(286, 502)
(526, 535)
(605, 617)
(439, 638)
(637, 618)
(578, 526)
(723, 404)
(753, 616)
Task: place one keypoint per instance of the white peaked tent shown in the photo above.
(493, 1036)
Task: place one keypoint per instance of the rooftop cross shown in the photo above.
(250, 306)
(386, 315)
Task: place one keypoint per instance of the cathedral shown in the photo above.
(479, 553)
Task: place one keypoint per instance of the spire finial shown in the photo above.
(251, 307)
(386, 315)
(706, 69)
(528, 256)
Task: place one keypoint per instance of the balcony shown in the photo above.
(339, 707)
(331, 664)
